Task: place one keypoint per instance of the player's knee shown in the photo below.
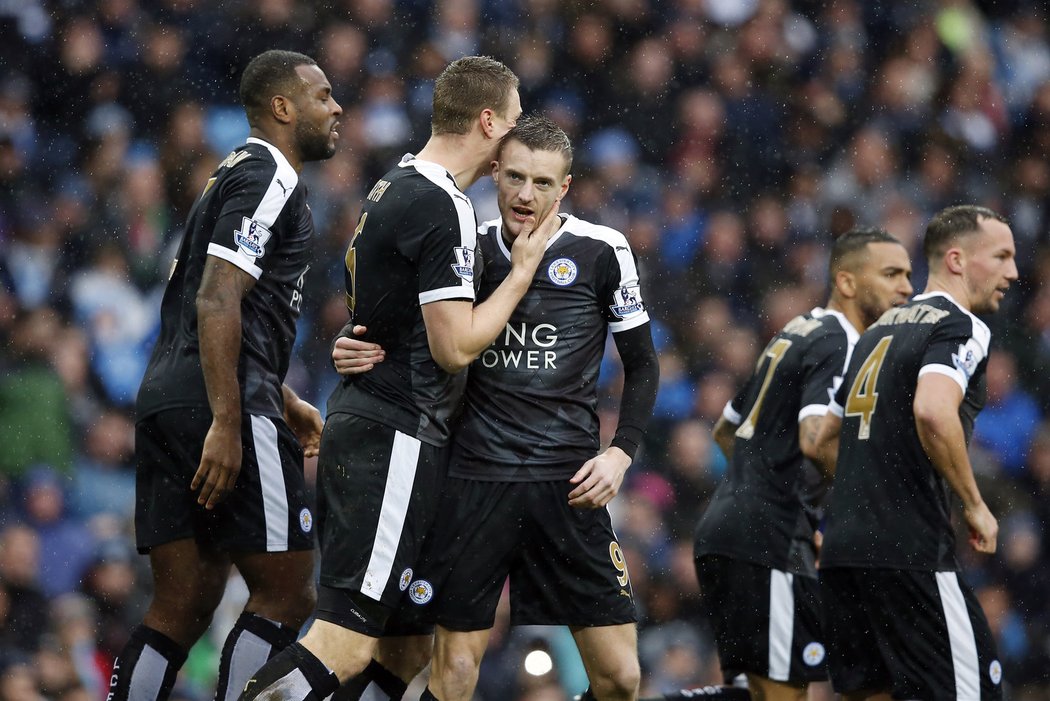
(459, 667)
(289, 606)
(618, 682)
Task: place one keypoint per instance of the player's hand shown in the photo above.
(352, 356)
(818, 543)
(599, 480)
(306, 423)
(220, 464)
(984, 529)
(530, 245)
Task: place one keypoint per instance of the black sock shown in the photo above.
(252, 642)
(704, 693)
(151, 660)
(292, 675)
(388, 682)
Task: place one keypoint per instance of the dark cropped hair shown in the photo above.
(953, 223)
(270, 73)
(540, 134)
(849, 247)
(467, 86)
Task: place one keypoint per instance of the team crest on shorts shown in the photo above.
(995, 672)
(306, 520)
(563, 271)
(813, 654)
(251, 238)
(406, 579)
(421, 591)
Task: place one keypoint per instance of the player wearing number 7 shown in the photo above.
(900, 622)
(754, 545)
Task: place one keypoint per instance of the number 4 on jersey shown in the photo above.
(862, 395)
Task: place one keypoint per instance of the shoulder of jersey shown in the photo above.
(490, 227)
(584, 229)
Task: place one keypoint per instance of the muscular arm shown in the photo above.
(457, 331)
(724, 434)
(599, 479)
(824, 448)
(936, 407)
(222, 288)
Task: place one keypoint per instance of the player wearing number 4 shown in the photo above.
(755, 552)
(900, 622)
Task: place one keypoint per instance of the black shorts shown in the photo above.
(268, 509)
(766, 622)
(919, 635)
(564, 564)
(377, 494)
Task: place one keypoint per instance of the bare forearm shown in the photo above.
(943, 440)
(219, 331)
(824, 448)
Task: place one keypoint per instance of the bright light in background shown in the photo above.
(538, 663)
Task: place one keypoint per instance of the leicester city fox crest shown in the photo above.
(562, 272)
(626, 302)
(464, 265)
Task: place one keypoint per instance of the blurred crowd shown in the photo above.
(729, 139)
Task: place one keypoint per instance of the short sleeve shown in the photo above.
(957, 347)
(624, 306)
(253, 196)
(442, 235)
(823, 370)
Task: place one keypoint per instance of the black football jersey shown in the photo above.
(253, 214)
(759, 511)
(531, 409)
(890, 508)
(414, 244)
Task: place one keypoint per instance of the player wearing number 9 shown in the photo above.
(902, 420)
(754, 545)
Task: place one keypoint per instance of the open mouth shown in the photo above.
(521, 213)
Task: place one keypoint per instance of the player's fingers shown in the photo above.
(360, 330)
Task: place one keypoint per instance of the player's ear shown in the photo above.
(487, 120)
(955, 260)
(846, 284)
(495, 172)
(565, 186)
(282, 108)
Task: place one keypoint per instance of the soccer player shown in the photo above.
(410, 274)
(900, 623)
(528, 482)
(220, 440)
(755, 554)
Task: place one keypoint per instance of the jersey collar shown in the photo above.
(851, 332)
(432, 170)
(274, 151)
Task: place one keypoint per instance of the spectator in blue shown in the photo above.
(1010, 417)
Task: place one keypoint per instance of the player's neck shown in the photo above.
(952, 286)
(281, 145)
(462, 155)
(848, 310)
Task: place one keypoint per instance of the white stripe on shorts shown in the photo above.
(148, 675)
(401, 474)
(960, 635)
(271, 479)
(781, 624)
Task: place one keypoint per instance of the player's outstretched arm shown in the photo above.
(457, 331)
(223, 286)
(352, 356)
(305, 421)
(936, 407)
(823, 448)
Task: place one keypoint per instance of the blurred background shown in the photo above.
(729, 139)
